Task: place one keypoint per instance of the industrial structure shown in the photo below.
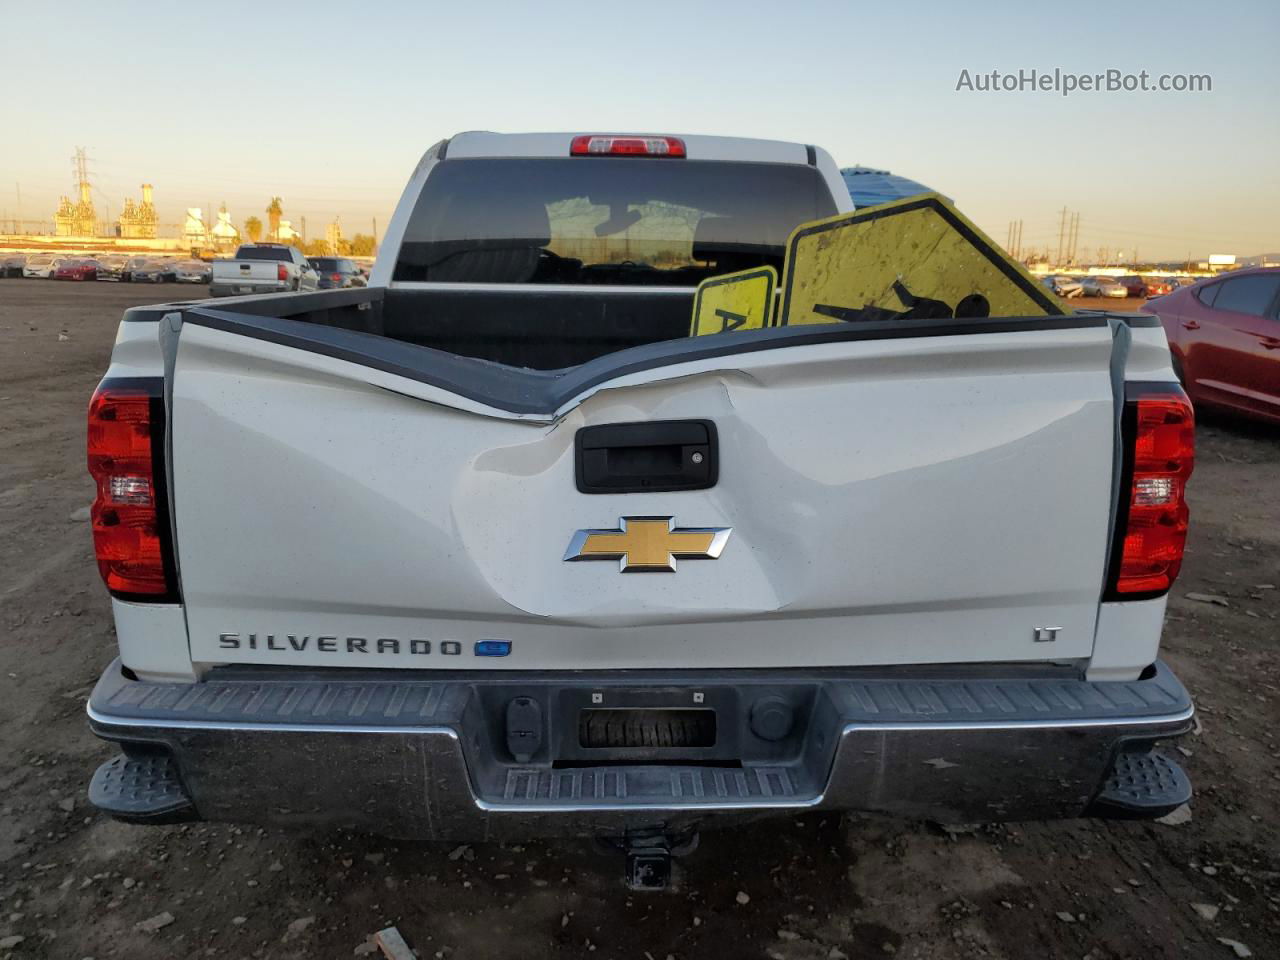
(224, 234)
(333, 236)
(201, 232)
(139, 220)
(195, 232)
(77, 219)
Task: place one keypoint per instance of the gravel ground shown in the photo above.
(74, 884)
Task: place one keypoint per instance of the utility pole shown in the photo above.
(375, 234)
(304, 231)
(1017, 244)
(1062, 228)
(1074, 237)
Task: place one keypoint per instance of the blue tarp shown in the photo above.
(867, 186)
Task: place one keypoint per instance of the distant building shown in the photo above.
(195, 232)
(286, 232)
(138, 221)
(333, 237)
(224, 234)
(76, 219)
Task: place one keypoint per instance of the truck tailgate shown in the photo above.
(246, 271)
(918, 499)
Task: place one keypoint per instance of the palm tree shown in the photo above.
(274, 211)
(253, 227)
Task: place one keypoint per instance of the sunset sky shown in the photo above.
(331, 105)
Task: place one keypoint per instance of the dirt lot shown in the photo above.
(74, 884)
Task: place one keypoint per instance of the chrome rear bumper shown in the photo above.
(424, 756)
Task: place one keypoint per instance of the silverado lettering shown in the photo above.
(269, 641)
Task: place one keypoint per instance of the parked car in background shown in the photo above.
(1225, 338)
(191, 271)
(1157, 286)
(111, 267)
(263, 268)
(40, 265)
(1134, 286)
(335, 272)
(132, 264)
(1103, 287)
(76, 270)
(1187, 281)
(1064, 286)
(12, 264)
(149, 271)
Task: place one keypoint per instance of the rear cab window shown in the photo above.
(605, 220)
(265, 253)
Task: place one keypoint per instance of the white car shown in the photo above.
(1064, 286)
(493, 548)
(41, 266)
(191, 271)
(1103, 287)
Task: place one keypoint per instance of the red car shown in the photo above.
(1144, 286)
(77, 270)
(1225, 337)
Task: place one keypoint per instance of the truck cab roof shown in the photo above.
(483, 143)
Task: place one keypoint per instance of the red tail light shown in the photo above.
(1158, 427)
(282, 272)
(129, 513)
(597, 145)
(336, 277)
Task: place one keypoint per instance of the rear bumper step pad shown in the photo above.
(143, 789)
(1142, 785)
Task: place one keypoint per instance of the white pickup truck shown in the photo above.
(262, 268)
(915, 566)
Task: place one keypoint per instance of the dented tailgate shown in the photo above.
(918, 499)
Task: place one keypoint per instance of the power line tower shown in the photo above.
(79, 218)
(1062, 229)
(1075, 237)
(80, 173)
(1013, 246)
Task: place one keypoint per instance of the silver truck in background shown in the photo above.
(263, 268)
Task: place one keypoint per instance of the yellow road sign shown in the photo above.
(917, 258)
(734, 301)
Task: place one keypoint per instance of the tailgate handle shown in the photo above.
(648, 457)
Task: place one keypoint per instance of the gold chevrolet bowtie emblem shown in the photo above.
(648, 544)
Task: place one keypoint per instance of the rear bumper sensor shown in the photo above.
(426, 757)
